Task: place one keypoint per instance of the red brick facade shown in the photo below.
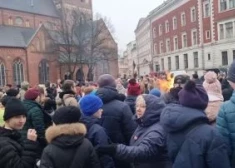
(37, 50)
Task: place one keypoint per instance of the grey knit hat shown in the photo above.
(106, 80)
(231, 73)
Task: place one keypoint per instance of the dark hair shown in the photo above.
(195, 76)
(68, 84)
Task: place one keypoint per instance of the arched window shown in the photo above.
(18, 21)
(18, 72)
(10, 22)
(43, 71)
(2, 74)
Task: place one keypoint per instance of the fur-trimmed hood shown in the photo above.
(66, 134)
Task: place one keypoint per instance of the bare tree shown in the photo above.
(81, 41)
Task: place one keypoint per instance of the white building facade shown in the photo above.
(143, 47)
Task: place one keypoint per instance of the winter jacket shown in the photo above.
(66, 99)
(68, 148)
(147, 146)
(130, 100)
(14, 153)
(116, 118)
(35, 120)
(97, 136)
(191, 141)
(225, 124)
(212, 110)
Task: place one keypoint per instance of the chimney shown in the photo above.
(32, 3)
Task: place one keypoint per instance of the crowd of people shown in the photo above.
(156, 121)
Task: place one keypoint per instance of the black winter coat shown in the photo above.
(148, 144)
(97, 135)
(130, 100)
(13, 153)
(117, 116)
(191, 141)
(68, 148)
(116, 119)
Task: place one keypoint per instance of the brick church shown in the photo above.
(25, 42)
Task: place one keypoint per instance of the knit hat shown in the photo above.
(14, 107)
(155, 92)
(31, 94)
(106, 80)
(181, 79)
(231, 73)
(212, 85)
(193, 96)
(66, 115)
(12, 92)
(90, 104)
(133, 88)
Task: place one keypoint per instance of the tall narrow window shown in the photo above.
(206, 9)
(155, 48)
(167, 26)
(18, 72)
(194, 37)
(168, 45)
(169, 63)
(154, 32)
(176, 43)
(177, 62)
(27, 23)
(183, 19)
(193, 14)
(160, 29)
(185, 60)
(174, 23)
(161, 47)
(223, 5)
(221, 29)
(224, 58)
(43, 70)
(184, 40)
(233, 54)
(196, 62)
(229, 29)
(2, 74)
(162, 62)
(10, 21)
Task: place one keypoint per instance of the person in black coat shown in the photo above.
(117, 115)
(13, 152)
(133, 90)
(68, 146)
(90, 106)
(148, 143)
(191, 141)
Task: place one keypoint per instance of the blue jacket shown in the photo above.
(130, 100)
(147, 146)
(116, 117)
(225, 124)
(97, 136)
(191, 141)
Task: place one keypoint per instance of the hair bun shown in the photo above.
(190, 85)
(210, 77)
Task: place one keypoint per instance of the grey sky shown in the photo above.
(124, 15)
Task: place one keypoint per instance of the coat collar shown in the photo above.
(65, 129)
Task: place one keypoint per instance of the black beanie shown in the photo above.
(67, 115)
(12, 92)
(14, 107)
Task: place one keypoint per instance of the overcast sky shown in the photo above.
(124, 16)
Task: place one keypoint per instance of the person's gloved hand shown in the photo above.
(107, 149)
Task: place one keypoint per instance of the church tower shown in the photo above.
(84, 6)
